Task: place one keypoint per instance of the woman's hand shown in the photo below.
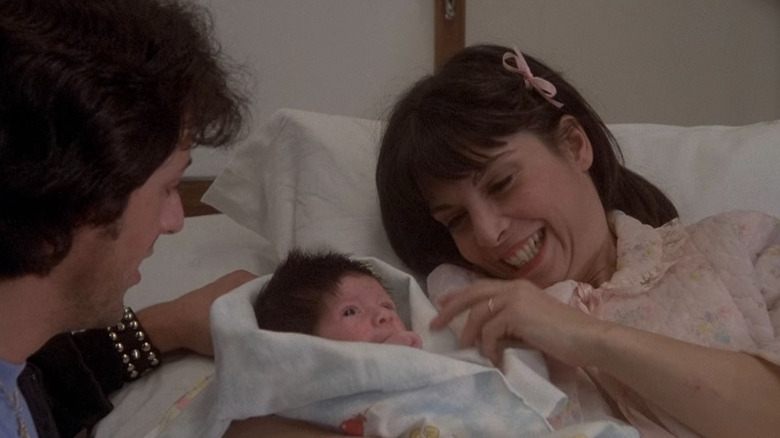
(714, 392)
(183, 323)
(519, 310)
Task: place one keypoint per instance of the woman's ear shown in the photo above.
(574, 142)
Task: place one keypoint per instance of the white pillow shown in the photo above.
(309, 178)
(706, 170)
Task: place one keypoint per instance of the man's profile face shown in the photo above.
(104, 261)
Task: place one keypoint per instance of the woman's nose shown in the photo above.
(488, 227)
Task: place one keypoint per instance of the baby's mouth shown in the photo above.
(527, 252)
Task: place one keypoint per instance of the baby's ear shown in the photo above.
(575, 142)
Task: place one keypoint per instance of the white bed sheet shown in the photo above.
(307, 179)
(207, 248)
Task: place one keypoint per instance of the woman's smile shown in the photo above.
(527, 252)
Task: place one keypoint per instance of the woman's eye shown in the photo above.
(501, 184)
(349, 312)
(455, 222)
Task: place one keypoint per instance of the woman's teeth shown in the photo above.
(527, 252)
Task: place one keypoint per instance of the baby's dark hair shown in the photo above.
(293, 299)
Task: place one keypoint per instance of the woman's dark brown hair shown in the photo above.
(443, 126)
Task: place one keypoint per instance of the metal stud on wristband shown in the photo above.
(133, 345)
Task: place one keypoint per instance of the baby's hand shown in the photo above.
(408, 338)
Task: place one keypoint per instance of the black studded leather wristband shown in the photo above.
(138, 354)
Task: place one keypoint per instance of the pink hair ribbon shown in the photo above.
(541, 85)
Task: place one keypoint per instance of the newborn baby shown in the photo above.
(327, 294)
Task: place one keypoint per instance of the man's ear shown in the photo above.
(574, 142)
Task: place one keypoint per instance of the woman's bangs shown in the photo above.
(452, 154)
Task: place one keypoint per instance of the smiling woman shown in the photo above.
(447, 127)
(526, 178)
(498, 167)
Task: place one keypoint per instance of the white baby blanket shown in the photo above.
(371, 389)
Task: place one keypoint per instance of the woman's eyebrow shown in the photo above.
(479, 174)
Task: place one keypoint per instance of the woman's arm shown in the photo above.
(714, 392)
(717, 393)
(275, 427)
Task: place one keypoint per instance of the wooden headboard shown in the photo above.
(190, 191)
(449, 38)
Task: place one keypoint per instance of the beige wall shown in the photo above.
(347, 57)
(665, 61)
(684, 62)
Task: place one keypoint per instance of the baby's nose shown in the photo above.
(383, 316)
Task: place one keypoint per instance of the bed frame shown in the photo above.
(190, 191)
(449, 38)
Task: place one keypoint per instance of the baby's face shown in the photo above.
(361, 310)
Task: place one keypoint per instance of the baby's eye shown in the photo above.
(349, 312)
(389, 306)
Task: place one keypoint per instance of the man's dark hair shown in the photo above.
(95, 95)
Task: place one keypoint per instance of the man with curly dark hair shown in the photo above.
(101, 102)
